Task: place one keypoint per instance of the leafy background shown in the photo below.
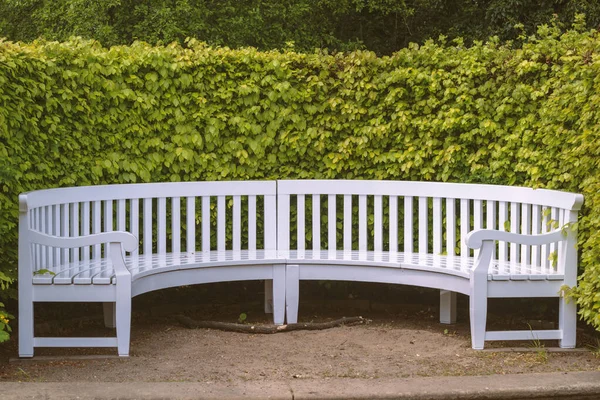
(523, 112)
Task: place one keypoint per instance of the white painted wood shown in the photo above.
(51, 222)
(206, 228)
(348, 222)
(393, 232)
(237, 223)
(252, 222)
(147, 223)
(190, 224)
(437, 226)
(451, 226)
(526, 230)
(362, 223)
(331, 222)
(301, 229)
(408, 224)
(316, 222)
(465, 225)
(134, 219)
(536, 220)
(423, 225)
(378, 223)
(176, 224)
(523, 335)
(502, 222)
(162, 225)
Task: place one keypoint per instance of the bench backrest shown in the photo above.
(424, 217)
(166, 217)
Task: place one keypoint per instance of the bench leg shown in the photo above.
(292, 292)
(123, 317)
(109, 314)
(25, 327)
(268, 297)
(447, 307)
(567, 323)
(278, 294)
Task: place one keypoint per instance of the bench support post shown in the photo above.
(292, 293)
(567, 311)
(478, 296)
(447, 307)
(109, 314)
(278, 294)
(25, 289)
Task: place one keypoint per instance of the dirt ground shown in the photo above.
(403, 339)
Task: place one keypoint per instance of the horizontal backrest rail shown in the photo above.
(80, 194)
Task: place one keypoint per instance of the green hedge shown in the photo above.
(75, 113)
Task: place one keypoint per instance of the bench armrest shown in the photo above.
(127, 240)
(117, 241)
(476, 238)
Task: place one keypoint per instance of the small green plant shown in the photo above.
(595, 347)
(242, 318)
(540, 349)
(5, 328)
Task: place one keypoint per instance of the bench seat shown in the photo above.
(452, 265)
(101, 272)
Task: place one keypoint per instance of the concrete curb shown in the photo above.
(563, 385)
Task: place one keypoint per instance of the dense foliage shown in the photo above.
(75, 113)
(382, 26)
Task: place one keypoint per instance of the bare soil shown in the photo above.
(403, 339)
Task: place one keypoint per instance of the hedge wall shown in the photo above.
(75, 113)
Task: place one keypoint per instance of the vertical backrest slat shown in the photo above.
(206, 223)
(36, 226)
(465, 226)
(525, 229)
(502, 221)
(270, 213)
(237, 223)
(546, 216)
(331, 222)
(408, 224)
(393, 204)
(423, 225)
(252, 223)
(316, 222)
(437, 226)
(176, 225)
(56, 232)
(190, 224)
(451, 227)
(221, 223)
(134, 220)
(477, 219)
(362, 223)
(300, 226)
(75, 230)
(97, 227)
(121, 215)
(85, 228)
(554, 246)
(515, 222)
(161, 226)
(43, 225)
(64, 230)
(347, 222)
(108, 223)
(378, 223)
(535, 230)
(491, 217)
(147, 222)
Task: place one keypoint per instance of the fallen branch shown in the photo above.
(269, 328)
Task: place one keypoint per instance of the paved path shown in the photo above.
(563, 385)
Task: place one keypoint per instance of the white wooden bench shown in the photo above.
(431, 235)
(72, 243)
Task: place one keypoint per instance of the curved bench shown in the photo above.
(176, 234)
(432, 235)
(72, 244)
